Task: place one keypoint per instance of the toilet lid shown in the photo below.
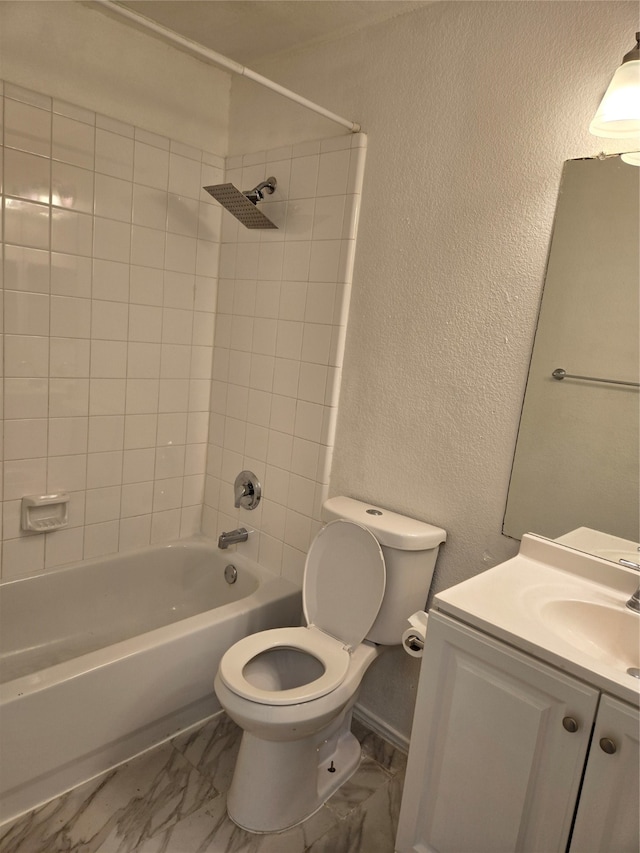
(344, 581)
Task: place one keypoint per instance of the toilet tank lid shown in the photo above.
(389, 528)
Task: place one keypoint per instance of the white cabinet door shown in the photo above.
(493, 766)
(608, 816)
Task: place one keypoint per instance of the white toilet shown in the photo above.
(292, 690)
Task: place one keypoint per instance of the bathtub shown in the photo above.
(103, 659)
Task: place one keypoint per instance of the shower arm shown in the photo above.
(225, 62)
(257, 193)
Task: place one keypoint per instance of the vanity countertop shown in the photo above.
(564, 607)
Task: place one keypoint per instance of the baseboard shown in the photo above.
(380, 727)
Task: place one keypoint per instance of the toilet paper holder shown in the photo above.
(414, 636)
(414, 642)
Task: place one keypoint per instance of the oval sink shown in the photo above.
(608, 634)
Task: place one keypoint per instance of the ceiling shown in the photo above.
(248, 31)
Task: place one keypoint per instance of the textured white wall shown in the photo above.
(470, 110)
(79, 54)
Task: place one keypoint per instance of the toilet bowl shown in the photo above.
(292, 690)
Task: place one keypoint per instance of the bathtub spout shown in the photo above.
(233, 536)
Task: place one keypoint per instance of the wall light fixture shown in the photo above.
(618, 116)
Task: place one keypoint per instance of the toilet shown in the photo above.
(292, 690)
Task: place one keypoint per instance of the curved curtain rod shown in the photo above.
(225, 62)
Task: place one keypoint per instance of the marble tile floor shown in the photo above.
(172, 799)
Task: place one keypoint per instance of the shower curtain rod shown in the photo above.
(225, 62)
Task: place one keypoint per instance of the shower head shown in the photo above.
(243, 204)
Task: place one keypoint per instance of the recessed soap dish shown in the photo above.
(44, 513)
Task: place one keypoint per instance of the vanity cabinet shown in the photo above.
(499, 744)
(608, 815)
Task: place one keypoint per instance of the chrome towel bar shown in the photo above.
(560, 373)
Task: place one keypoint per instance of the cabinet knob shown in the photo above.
(570, 724)
(607, 745)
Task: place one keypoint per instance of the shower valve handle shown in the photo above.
(247, 490)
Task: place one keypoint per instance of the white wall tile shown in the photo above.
(333, 173)
(25, 439)
(137, 499)
(70, 317)
(22, 557)
(304, 176)
(142, 396)
(69, 357)
(110, 281)
(101, 539)
(70, 275)
(102, 504)
(143, 360)
(151, 166)
(26, 223)
(73, 141)
(26, 356)
(165, 526)
(113, 198)
(64, 546)
(68, 397)
(27, 176)
(109, 320)
(67, 473)
(113, 154)
(147, 247)
(140, 431)
(71, 232)
(106, 432)
(111, 240)
(26, 313)
(135, 532)
(108, 359)
(67, 436)
(24, 477)
(105, 469)
(107, 396)
(145, 323)
(149, 206)
(71, 187)
(26, 269)
(25, 397)
(146, 285)
(27, 128)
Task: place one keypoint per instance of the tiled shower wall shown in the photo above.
(110, 264)
(283, 299)
(112, 386)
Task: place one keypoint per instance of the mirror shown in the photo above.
(576, 461)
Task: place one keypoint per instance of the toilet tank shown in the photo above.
(410, 548)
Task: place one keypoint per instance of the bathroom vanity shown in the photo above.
(526, 728)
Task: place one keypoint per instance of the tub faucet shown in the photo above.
(232, 537)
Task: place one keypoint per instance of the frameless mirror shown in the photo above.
(576, 461)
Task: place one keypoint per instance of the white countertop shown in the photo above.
(564, 607)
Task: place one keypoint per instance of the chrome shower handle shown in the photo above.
(247, 490)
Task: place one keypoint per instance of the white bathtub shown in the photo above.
(105, 658)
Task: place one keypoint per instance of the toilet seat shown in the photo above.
(329, 652)
(344, 583)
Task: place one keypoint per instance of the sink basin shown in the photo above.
(608, 634)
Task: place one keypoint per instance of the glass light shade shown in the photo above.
(618, 116)
(631, 157)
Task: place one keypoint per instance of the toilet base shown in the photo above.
(277, 785)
